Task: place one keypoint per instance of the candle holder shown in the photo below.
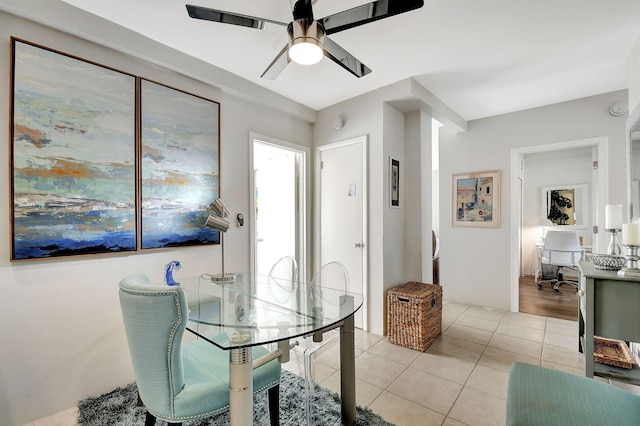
(631, 270)
(614, 248)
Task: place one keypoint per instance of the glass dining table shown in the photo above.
(257, 310)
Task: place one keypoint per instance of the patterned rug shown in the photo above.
(118, 407)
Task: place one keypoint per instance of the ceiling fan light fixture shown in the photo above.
(305, 47)
(306, 53)
(307, 43)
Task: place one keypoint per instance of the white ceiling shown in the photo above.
(481, 58)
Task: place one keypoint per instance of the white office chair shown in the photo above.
(561, 250)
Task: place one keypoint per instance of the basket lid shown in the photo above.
(416, 289)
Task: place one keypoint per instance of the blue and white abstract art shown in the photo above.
(73, 156)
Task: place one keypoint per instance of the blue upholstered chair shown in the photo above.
(179, 382)
(539, 396)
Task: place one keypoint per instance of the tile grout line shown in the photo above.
(386, 389)
(409, 366)
(470, 374)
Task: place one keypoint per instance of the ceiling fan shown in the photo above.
(307, 36)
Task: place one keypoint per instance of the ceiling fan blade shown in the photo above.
(345, 59)
(199, 12)
(302, 9)
(278, 65)
(367, 13)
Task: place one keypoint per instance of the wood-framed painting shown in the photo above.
(394, 183)
(475, 199)
(73, 150)
(180, 142)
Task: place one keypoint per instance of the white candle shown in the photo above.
(613, 216)
(631, 234)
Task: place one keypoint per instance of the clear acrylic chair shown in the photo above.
(284, 272)
(282, 284)
(283, 280)
(331, 275)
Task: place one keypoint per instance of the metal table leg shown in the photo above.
(348, 372)
(241, 387)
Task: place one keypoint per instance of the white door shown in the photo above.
(276, 205)
(343, 196)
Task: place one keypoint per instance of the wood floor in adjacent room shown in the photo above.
(546, 302)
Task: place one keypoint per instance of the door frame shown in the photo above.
(302, 210)
(599, 196)
(364, 141)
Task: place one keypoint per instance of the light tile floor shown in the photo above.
(461, 379)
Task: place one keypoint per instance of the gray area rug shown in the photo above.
(118, 407)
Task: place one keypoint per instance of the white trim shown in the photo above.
(365, 209)
(599, 189)
(632, 120)
(303, 191)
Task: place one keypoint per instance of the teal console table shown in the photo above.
(609, 307)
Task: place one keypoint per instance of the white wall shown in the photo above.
(486, 145)
(62, 337)
(393, 225)
(634, 109)
(634, 77)
(418, 265)
(390, 133)
(363, 116)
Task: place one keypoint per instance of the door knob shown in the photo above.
(358, 245)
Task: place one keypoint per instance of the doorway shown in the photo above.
(342, 200)
(522, 249)
(278, 203)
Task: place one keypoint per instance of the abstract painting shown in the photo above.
(476, 199)
(179, 166)
(561, 206)
(73, 156)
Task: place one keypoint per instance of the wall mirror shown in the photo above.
(634, 137)
(566, 205)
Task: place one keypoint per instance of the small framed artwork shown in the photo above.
(394, 183)
(475, 199)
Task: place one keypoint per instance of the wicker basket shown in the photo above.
(612, 352)
(414, 317)
(608, 262)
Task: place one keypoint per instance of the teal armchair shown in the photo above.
(179, 382)
(539, 396)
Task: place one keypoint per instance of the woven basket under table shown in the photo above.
(414, 318)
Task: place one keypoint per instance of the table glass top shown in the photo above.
(255, 309)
